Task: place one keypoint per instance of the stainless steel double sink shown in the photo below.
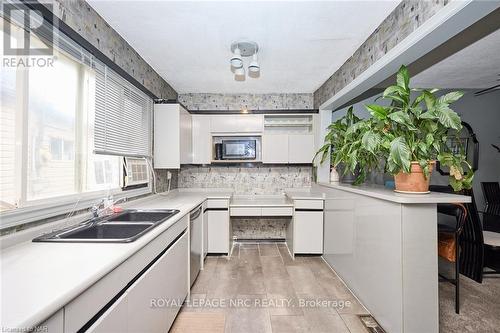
(123, 227)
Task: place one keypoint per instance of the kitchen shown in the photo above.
(180, 187)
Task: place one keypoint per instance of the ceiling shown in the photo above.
(474, 67)
(302, 43)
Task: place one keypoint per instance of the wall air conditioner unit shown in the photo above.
(135, 172)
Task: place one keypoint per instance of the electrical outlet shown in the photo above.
(169, 175)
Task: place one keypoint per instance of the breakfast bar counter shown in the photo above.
(384, 246)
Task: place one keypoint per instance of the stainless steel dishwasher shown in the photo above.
(195, 218)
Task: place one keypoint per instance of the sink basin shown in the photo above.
(106, 231)
(123, 227)
(141, 216)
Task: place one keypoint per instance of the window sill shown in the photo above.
(30, 214)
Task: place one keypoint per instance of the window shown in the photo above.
(49, 128)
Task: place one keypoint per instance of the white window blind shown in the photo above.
(123, 116)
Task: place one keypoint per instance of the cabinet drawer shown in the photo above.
(217, 203)
(277, 211)
(246, 211)
(308, 204)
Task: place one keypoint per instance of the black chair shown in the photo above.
(491, 214)
(471, 240)
(491, 191)
(449, 242)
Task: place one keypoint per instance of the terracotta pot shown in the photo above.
(414, 181)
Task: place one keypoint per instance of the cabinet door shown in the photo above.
(245, 123)
(114, 320)
(143, 307)
(300, 148)
(202, 140)
(186, 144)
(308, 232)
(166, 280)
(218, 231)
(275, 148)
(167, 136)
(55, 323)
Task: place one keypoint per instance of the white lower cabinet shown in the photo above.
(218, 226)
(218, 231)
(55, 324)
(308, 229)
(154, 299)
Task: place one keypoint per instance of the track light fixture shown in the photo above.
(240, 50)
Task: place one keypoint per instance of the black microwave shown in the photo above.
(241, 149)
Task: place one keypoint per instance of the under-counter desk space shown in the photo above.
(303, 213)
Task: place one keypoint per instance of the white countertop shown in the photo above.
(383, 193)
(260, 201)
(37, 279)
(304, 194)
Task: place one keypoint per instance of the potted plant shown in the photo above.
(409, 135)
(346, 146)
(413, 132)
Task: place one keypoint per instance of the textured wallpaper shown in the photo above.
(406, 18)
(248, 101)
(246, 180)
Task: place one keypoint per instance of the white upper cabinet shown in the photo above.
(300, 148)
(275, 148)
(202, 139)
(240, 123)
(172, 136)
(288, 139)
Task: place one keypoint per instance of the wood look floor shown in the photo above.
(259, 288)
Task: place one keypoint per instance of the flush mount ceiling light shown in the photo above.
(242, 49)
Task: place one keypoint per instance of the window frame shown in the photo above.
(38, 210)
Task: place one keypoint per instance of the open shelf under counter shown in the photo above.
(261, 205)
(235, 161)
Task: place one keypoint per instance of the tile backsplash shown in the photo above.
(246, 180)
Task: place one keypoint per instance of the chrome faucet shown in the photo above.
(96, 209)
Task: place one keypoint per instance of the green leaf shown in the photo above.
(430, 114)
(393, 89)
(429, 139)
(400, 153)
(451, 97)
(429, 99)
(378, 111)
(401, 117)
(396, 98)
(423, 148)
(449, 118)
(419, 99)
(370, 141)
(403, 78)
